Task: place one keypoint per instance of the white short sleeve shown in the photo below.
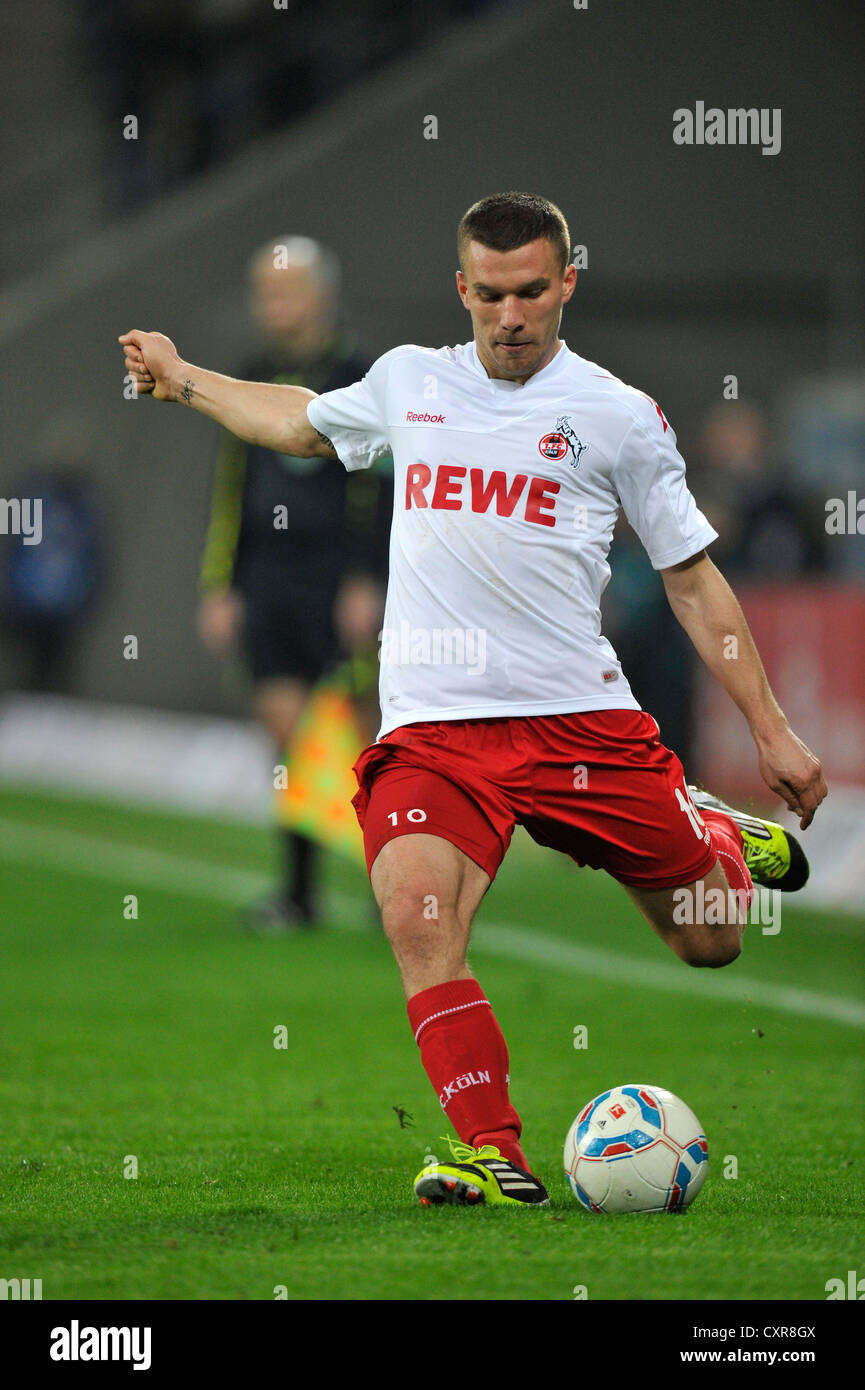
(354, 418)
(649, 476)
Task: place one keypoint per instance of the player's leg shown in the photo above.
(686, 859)
(702, 921)
(428, 889)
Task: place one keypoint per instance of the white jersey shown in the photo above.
(506, 496)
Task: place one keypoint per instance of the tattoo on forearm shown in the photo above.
(188, 391)
(324, 439)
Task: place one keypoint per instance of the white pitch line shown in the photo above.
(519, 944)
(96, 857)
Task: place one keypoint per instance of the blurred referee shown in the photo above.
(295, 561)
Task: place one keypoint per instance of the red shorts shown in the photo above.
(599, 786)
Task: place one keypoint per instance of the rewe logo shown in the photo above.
(423, 418)
(855, 1288)
(450, 493)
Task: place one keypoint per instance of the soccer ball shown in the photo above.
(636, 1148)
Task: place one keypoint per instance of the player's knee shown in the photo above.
(413, 916)
(712, 950)
(427, 940)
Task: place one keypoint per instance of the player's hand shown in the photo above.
(153, 362)
(220, 617)
(793, 773)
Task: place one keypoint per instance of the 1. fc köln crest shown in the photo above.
(562, 442)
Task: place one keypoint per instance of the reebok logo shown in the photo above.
(424, 418)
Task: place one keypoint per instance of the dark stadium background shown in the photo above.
(701, 261)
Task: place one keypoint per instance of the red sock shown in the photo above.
(727, 844)
(466, 1059)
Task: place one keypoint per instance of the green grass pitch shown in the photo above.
(149, 1042)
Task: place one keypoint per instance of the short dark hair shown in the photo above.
(505, 221)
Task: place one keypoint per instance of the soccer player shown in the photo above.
(502, 702)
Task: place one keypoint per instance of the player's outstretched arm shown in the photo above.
(258, 412)
(708, 610)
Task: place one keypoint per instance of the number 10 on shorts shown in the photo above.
(415, 815)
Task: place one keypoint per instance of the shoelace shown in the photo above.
(464, 1153)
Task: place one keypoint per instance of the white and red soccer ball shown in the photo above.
(636, 1148)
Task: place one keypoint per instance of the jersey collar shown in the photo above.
(499, 384)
